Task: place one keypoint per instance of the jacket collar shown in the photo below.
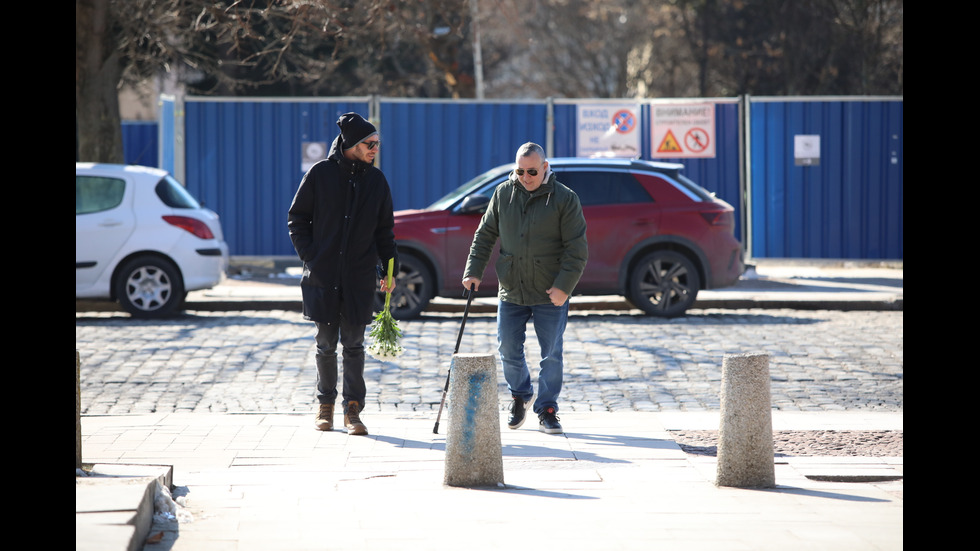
(547, 187)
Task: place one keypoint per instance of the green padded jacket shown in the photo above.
(542, 241)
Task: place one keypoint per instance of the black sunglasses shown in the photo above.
(530, 171)
(372, 145)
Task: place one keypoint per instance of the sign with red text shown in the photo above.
(608, 130)
(682, 130)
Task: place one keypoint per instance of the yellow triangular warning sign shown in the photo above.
(669, 144)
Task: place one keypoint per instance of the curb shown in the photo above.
(238, 304)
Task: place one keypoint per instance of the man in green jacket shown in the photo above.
(543, 251)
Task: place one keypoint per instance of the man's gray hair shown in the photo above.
(531, 148)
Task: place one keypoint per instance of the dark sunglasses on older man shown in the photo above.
(372, 145)
(530, 171)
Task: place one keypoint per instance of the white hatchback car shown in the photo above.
(142, 239)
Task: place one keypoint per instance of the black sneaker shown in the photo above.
(518, 412)
(549, 422)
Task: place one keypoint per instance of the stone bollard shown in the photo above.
(745, 448)
(473, 453)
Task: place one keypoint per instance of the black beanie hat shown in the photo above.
(353, 129)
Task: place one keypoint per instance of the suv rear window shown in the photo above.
(604, 188)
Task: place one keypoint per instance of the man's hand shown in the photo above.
(384, 285)
(558, 297)
(471, 281)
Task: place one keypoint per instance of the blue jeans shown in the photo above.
(549, 325)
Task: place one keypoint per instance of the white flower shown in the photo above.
(382, 352)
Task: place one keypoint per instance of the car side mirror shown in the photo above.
(474, 203)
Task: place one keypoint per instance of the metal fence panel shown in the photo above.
(141, 143)
(844, 204)
(244, 160)
(242, 157)
(431, 147)
(720, 174)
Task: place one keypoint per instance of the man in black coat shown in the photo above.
(341, 225)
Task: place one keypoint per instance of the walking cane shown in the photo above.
(459, 337)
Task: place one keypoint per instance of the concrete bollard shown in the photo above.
(745, 447)
(473, 453)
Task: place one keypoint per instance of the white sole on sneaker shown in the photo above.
(545, 430)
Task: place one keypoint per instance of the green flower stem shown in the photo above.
(384, 330)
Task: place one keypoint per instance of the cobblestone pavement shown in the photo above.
(863, 443)
(262, 361)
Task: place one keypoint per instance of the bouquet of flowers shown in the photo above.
(384, 329)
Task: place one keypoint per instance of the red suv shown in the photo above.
(655, 237)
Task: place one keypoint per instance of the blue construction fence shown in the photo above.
(810, 177)
(141, 143)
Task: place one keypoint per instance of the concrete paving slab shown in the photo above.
(614, 479)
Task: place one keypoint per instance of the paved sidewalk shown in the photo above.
(612, 481)
(268, 481)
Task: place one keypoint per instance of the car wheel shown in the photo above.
(664, 284)
(414, 288)
(149, 287)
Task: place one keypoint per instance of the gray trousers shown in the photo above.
(351, 337)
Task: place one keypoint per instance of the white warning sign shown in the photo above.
(682, 130)
(608, 130)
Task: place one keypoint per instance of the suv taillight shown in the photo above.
(193, 225)
(718, 217)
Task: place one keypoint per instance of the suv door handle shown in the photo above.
(445, 230)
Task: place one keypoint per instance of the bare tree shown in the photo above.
(796, 47)
(120, 42)
(586, 48)
(265, 47)
(410, 48)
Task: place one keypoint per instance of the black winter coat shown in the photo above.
(342, 227)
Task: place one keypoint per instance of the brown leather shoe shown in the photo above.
(324, 419)
(352, 419)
